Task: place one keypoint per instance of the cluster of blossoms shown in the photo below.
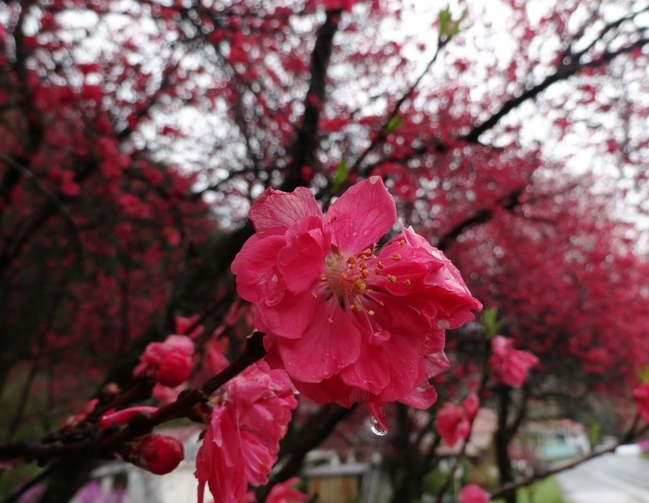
(159, 454)
(350, 322)
(250, 416)
(454, 423)
(508, 365)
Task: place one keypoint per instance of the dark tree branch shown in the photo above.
(569, 65)
(97, 445)
(320, 427)
(306, 142)
(507, 202)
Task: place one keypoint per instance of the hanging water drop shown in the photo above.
(376, 427)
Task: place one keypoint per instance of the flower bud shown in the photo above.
(159, 454)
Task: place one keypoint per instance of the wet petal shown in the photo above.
(275, 211)
(361, 216)
(331, 343)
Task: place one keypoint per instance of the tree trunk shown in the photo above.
(501, 439)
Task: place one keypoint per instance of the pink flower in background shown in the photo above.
(167, 395)
(471, 405)
(349, 322)
(184, 324)
(452, 423)
(641, 397)
(473, 494)
(241, 442)
(170, 362)
(285, 493)
(510, 366)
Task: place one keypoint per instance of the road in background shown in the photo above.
(611, 478)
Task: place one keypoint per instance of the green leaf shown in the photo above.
(444, 20)
(393, 124)
(643, 373)
(594, 433)
(490, 321)
(340, 176)
(448, 27)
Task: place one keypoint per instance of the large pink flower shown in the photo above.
(241, 442)
(350, 322)
(508, 365)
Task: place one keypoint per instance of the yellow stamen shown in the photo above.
(392, 278)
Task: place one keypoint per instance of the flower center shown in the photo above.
(345, 277)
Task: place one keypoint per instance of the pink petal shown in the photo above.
(255, 264)
(361, 216)
(291, 316)
(302, 260)
(275, 210)
(420, 398)
(327, 391)
(331, 343)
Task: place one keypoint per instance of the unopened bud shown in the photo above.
(159, 454)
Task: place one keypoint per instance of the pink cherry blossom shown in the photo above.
(641, 397)
(284, 492)
(471, 405)
(473, 494)
(350, 322)
(184, 324)
(510, 366)
(241, 442)
(170, 362)
(452, 423)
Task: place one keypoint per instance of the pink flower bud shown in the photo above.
(471, 405)
(159, 454)
(170, 362)
(124, 415)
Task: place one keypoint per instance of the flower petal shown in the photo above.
(255, 268)
(331, 343)
(290, 317)
(275, 211)
(302, 260)
(361, 216)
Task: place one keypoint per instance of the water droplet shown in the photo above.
(376, 427)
